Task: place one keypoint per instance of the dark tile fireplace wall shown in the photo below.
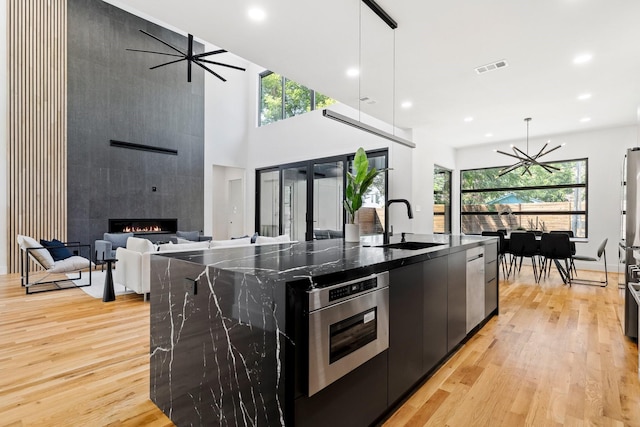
(112, 95)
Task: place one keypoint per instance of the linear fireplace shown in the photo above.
(143, 226)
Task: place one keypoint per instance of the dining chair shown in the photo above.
(573, 247)
(600, 254)
(524, 245)
(556, 247)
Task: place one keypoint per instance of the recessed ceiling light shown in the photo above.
(353, 72)
(257, 14)
(582, 59)
(585, 119)
(407, 104)
(468, 119)
(584, 96)
(488, 135)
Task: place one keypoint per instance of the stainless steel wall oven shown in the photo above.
(348, 325)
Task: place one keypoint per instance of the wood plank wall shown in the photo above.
(37, 122)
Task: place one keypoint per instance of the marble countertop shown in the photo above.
(324, 261)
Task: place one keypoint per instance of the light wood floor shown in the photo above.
(554, 356)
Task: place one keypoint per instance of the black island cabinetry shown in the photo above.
(230, 337)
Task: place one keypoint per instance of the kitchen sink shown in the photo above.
(412, 246)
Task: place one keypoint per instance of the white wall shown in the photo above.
(220, 199)
(225, 131)
(3, 136)
(426, 156)
(605, 150)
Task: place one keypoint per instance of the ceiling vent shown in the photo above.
(493, 66)
(368, 100)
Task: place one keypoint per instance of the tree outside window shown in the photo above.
(541, 201)
(283, 98)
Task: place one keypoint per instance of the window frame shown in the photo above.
(450, 215)
(283, 81)
(584, 186)
(309, 164)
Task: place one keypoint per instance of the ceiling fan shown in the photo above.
(188, 56)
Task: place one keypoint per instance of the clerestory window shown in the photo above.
(281, 98)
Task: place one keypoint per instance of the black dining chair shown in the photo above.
(502, 250)
(524, 245)
(556, 247)
(573, 247)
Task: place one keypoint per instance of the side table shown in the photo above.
(109, 294)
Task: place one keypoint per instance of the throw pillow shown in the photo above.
(42, 255)
(57, 249)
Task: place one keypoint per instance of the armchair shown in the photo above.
(54, 261)
(106, 248)
(132, 270)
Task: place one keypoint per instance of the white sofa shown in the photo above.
(133, 269)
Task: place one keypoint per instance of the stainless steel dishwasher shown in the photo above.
(475, 287)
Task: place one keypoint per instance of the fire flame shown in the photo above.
(151, 228)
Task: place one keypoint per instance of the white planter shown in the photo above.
(351, 232)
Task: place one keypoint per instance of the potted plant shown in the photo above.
(358, 183)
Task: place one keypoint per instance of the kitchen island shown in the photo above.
(230, 327)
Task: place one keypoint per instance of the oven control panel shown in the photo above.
(352, 289)
(339, 292)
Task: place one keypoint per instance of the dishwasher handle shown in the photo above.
(475, 257)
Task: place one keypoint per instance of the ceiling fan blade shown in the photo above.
(213, 52)
(167, 63)
(151, 51)
(163, 42)
(220, 64)
(209, 70)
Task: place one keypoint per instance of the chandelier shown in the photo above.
(526, 161)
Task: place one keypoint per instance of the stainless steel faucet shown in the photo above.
(409, 213)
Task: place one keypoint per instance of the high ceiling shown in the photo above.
(430, 59)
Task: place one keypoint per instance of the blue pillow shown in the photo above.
(57, 249)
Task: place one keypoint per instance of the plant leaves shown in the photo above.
(360, 165)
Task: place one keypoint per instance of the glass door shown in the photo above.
(294, 202)
(328, 184)
(305, 199)
(441, 200)
(269, 202)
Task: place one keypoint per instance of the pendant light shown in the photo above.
(526, 161)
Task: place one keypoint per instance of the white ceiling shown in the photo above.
(438, 44)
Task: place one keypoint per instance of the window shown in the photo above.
(540, 201)
(283, 98)
(371, 216)
(441, 200)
